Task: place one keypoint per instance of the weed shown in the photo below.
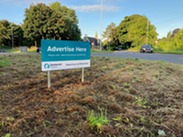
(126, 85)
(127, 90)
(118, 121)
(7, 135)
(10, 118)
(136, 79)
(6, 121)
(114, 87)
(140, 102)
(2, 123)
(46, 123)
(97, 121)
(119, 118)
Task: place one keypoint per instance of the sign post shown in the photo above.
(83, 75)
(60, 54)
(49, 80)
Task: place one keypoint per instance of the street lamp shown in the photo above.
(101, 8)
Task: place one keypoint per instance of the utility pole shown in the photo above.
(101, 8)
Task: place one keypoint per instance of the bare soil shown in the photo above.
(139, 98)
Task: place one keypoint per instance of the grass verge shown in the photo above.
(140, 98)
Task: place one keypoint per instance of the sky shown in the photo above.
(165, 15)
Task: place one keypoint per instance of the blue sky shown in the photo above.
(166, 15)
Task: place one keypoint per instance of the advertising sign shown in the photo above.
(62, 54)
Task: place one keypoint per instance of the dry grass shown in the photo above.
(141, 98)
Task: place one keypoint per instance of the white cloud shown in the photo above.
(26, 2)
(107, 7)
(93, 8)
(39, 1)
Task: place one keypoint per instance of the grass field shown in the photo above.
(119, 98)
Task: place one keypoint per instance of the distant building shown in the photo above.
(95, 42)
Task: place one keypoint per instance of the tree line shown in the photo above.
(59, 22)
(172, 42)
(136, 30)
(41, 21)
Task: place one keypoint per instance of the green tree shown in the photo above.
(18, 36)
(110, 34)
(5, 31)
(110, 30)
(67, 21)
(174, 32)
(178, 40)
(50, 22)
(172, 42)
(34, 23)
(136, 30)
(10, 34)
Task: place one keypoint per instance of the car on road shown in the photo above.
(146, 48)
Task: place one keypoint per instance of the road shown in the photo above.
(178, 59)
(173, 58)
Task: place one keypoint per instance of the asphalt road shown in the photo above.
(173, 58)
(178, 59)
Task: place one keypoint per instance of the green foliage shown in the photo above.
(97, 121)
(4, 30)
(46, 123)
(173, 43)
(126, 85)
(4, 123)
(35, 19)
(110, 34)
(136, 30)
(10, 32)
(7, 135)
(118, 121)
(140, 102)
(50, 22)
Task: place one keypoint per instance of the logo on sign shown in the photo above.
(46, 66)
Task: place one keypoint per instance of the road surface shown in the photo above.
(173, 58)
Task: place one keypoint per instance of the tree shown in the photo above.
(169, 34)
(174, 32)
(10, 34)
(136, 30)
(50, 22)
(178, 40)
(34, 23)
(110, 34)
(5, 31)
(18, 36)
(67, 21)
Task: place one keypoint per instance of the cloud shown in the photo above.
(25, 2)
(93, 8)
(38, 1)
